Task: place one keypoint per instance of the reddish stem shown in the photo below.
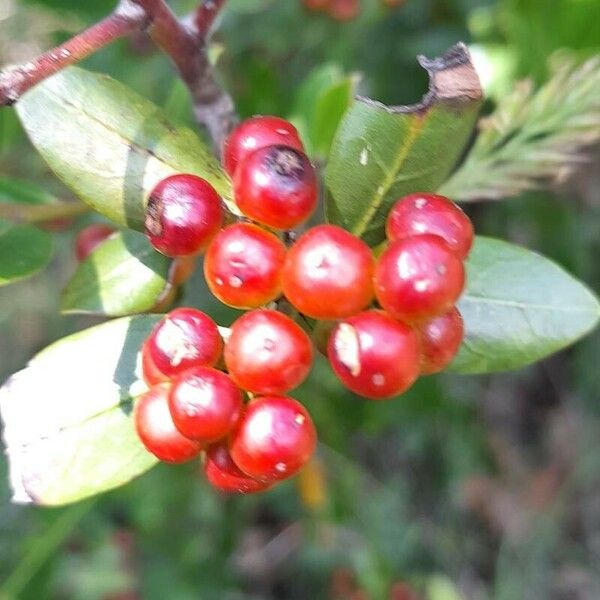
(185, 45)
(205, 16)
(15, 82)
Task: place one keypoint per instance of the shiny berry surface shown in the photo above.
(224, 475)
(89, 238)
(418, 278)
(184, 338)
(183, 214)
(417, 214)
(268, 353)
(156, 429)
(274, 438)
(276, 186)
(205, 404)
(150, 371)
(374, 355)
(256, 133)
(440, 341)
(243, 266)
(328, 273)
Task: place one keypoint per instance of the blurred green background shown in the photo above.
(475, 488)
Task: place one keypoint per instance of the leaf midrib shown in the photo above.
(416, 126)
(525, 306)
(127, 141)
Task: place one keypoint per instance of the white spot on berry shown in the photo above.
(421, 285)
(218, 281)
(420, 203)
(347, 348)
(235, 281)
(378, 379)
(237, 246)
(281, 467)
(282, 132)
(300, 418)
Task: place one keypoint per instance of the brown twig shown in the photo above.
(15, 82)
(185, 45)
(205, 15)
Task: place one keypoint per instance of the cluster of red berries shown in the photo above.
(389, 319)
(343, 10)
(193, 407)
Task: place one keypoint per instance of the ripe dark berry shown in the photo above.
(417, 214)
(440, 340)
(224, 475)
(156, 429)
(276, 186)
(183, 214)
(418, 278)
(184, 338)
(205, 404)
(274, 438)
(267, 353)
(256, 133)
(374, 355)
(328, 273)
(243, 265)
(89, 238)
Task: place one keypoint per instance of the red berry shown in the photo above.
(224, 475)
(344, 10)
(256, 133)
(374, 355)
(157, 431)
(328, 273)
(418, 278)
(267, 353)
(276, 186)
(274, 438)
(183, 214)
(205, 404)
(440, 340)
(417, 214)
(150, 371)
(243, 265)
(184, 338)
(89, 238)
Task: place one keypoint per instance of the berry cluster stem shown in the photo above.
(184, 44)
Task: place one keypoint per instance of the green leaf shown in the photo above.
(381, 153)
(26, 202)
(25, 192)
(519, 307)
(123, 276)
(322, 100)
(24, 250)
(110, 145)
(67, 416)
